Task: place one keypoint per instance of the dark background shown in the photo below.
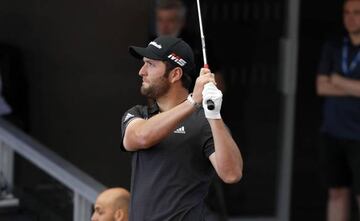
(81, 80)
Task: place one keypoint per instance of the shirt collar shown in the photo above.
(153, 109)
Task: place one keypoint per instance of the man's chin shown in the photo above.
(145, 92)
(354, 31)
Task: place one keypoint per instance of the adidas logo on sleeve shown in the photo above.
(180, 130)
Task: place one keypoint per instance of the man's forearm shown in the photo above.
(143, 134)
(228, 160)
(330, 90)
(324, 87)
(350, 86)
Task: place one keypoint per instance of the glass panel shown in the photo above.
(40, 195)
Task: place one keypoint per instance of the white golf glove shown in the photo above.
(211, 92)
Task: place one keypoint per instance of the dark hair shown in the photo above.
(172, 5)
(185, 79)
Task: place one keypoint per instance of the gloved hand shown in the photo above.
(211, 92)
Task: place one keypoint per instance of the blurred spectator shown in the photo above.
(13, 87)
(170, 16)
(338, 81)
(112, 205)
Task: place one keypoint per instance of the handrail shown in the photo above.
(51, 163)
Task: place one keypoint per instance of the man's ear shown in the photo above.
(176, 74)
(119, 215)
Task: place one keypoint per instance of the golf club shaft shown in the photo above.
(202, 34)
(210, 104)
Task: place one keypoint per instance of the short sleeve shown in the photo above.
(326, 63)
(130, 115)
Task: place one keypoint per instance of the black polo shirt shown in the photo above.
(171, 179)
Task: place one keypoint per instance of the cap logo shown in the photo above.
(153, 43)
(177, 59)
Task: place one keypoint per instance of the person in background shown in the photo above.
(338, 82)
(112, 205)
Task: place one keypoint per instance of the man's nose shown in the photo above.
(93, 217)
(142, 71)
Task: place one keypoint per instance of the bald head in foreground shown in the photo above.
(112, 205)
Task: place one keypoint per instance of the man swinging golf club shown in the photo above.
(177, 143)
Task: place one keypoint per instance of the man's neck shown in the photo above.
(355, 38)
(171, 99)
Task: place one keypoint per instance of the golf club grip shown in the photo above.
(209, 103)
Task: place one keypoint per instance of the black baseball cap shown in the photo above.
(166, 48)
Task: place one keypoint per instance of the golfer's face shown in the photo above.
(154, 83)
(351, 16)
(151, 70)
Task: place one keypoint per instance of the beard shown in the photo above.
(156, 89)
